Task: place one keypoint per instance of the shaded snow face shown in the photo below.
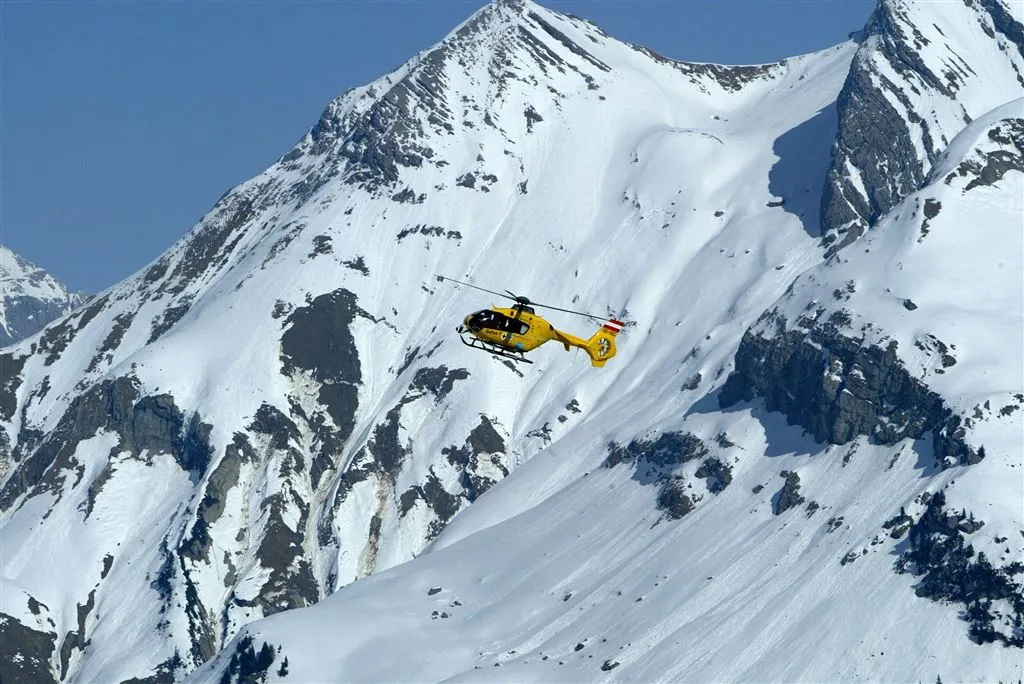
(273, 437)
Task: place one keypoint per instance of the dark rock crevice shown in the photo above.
(152, 424)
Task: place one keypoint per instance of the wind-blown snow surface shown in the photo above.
(29, 298)
(278, 405)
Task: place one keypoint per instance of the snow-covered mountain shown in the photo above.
(30, 298)
(804, 463)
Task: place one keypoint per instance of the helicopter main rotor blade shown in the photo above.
(527, 302)
(484, 289)
(578, 313)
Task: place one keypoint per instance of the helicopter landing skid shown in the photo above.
(494, 349)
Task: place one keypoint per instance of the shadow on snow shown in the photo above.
(798, 177)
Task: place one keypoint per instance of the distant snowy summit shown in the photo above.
(30, 298)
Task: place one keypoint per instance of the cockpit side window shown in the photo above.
(507, 324)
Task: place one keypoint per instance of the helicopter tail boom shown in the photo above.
(601, 345)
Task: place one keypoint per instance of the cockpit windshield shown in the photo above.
(493, 320)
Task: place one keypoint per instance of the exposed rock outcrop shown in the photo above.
(789, 496)
(145, 425)
(657, 460)
(950, 570)
(838, 388)
(25, 653)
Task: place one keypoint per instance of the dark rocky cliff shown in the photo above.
(838, 389)
(891, 128)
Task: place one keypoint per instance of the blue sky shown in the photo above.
(122, 122)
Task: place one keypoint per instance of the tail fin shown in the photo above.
(601, 345)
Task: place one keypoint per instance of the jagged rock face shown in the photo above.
(369, 137)
(839, 389)
(150, 424)
(913, 86)
(839, 364)
(31, 298)
(858, 362)
(377, 138)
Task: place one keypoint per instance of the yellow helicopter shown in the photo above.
(513, 331)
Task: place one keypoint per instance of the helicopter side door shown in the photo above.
(511, 326)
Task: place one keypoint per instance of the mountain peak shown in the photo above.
(511, 5)
(923, 71)
(493, 79)
(31, 298)
(483, 75)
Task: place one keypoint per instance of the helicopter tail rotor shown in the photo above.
(601, 345)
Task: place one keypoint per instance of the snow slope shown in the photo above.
(568, 571)
(278, 406)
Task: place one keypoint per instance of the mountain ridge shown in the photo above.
(890, 73)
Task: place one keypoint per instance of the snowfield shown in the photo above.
(268, 458)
